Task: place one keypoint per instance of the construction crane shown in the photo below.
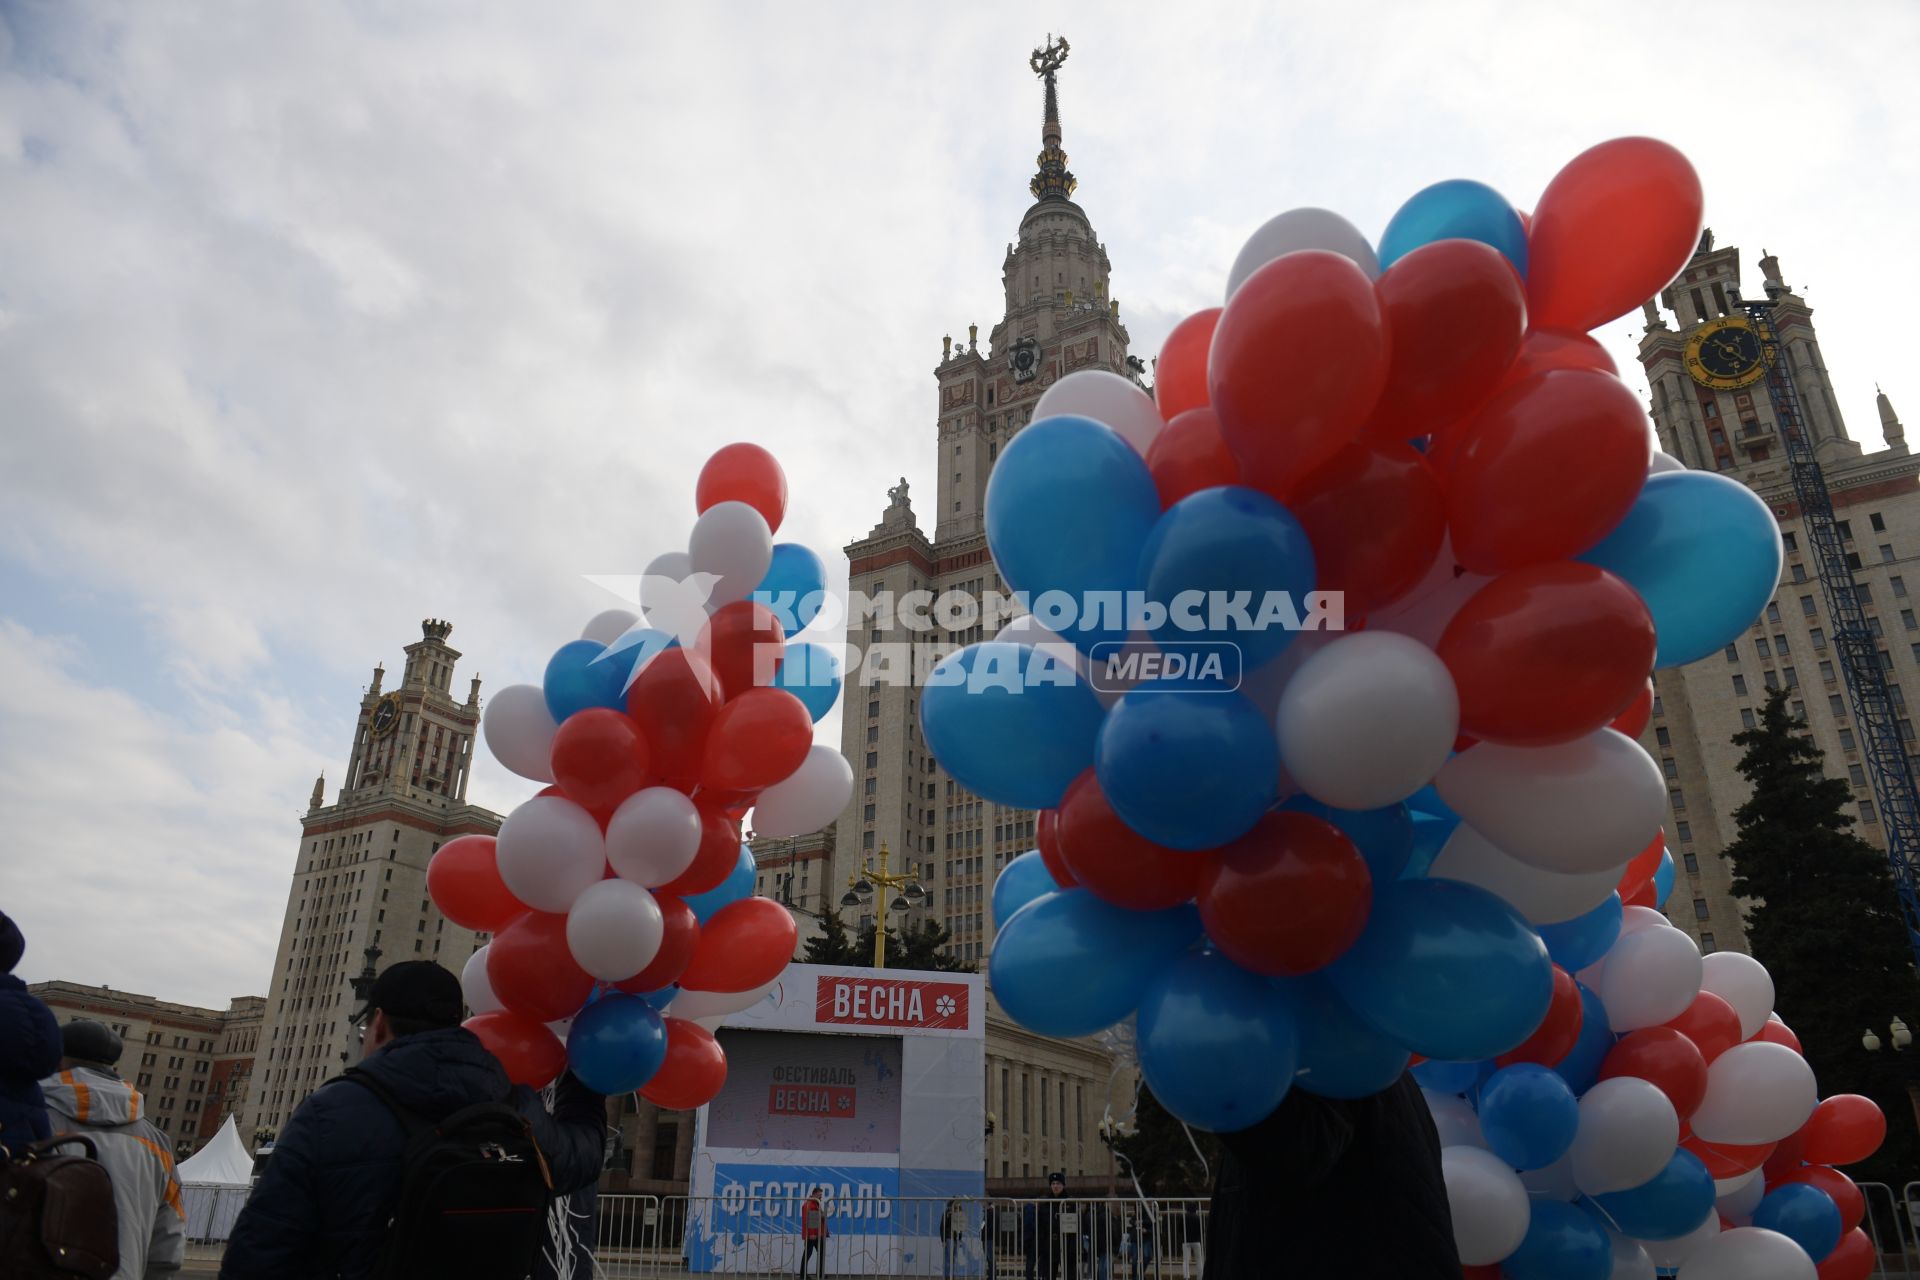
(1874, 715)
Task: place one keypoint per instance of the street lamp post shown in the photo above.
(861, 891)
(362, 984)
(1900, 1037)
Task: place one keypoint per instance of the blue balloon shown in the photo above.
(1068, 964)
(662, 998)
(1430, 832)
(1663, 878)
(1528, 1115)
(1010, 722)
(577, 679)
(811, 673)
(1447, 970)
(794, 588)
(1069, 507)
(1673, 1202)
(1186, 767)
(737, 886)
(1340, 1056)
(1704, 553)
(1804, 1214)
(1458, 209)
(1217, 1044)
(616, 1043)
(1383, 836)
(1563, 1242)
(1219, 545)
(1452, 1077)
(1023, 880)
(1427, 800)
(1581, 1067)
(1574, 944)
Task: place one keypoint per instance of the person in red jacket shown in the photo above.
(813, 1230)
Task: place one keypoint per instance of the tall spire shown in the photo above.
(1889, 423)
(1052, 182)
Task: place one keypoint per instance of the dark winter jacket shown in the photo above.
(322, 1206)
(29, 1050)
(1332, 1188)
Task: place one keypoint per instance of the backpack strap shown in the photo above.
(409, 1121)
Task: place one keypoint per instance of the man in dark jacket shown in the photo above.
(1324, 1187)
(322, 1207)
(29, 1049)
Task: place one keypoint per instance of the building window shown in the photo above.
(1863, 592)
(1747, 719)
(1683, 830)
(1879, 525)
(1857, 775)
(1677, 798)
(1733, 652)
(1791, 676)
(1692, 863)
(1826, 667)
(1700, 909)
(1799, 572)
(873, 759)
(1866, 812)
(1707, 946)
(1669, 766)
(866, 840)
(1662, 737)
(1819, 638)
(1790, 541)
(1846, 739)
(1773, 609)
(1759, 647)
(1846, 529)
(1886, 553)
(1806, 609)
(1740, 686)
(1834, 704)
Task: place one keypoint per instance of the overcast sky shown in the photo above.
(319, 319)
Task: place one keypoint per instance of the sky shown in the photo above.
(319, 319)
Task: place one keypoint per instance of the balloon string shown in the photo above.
(1206, 1170)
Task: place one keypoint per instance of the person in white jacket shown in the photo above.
(88, 1097)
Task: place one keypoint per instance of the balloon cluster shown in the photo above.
(1429, 835)
(621, 898)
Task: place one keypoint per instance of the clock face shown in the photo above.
(386, 716)
(1024, 360)
(1725, 354)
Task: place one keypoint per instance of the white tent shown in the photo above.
(214, 1182)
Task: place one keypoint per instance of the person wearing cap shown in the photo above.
(89, 1098)
(322, 1206)
(29, 1049)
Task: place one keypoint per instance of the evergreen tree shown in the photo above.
(1161, 1154)
(915, 945)
(833, 946)
(1825, 920)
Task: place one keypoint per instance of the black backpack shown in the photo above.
(474, 1194)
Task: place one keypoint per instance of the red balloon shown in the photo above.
(1116, 864)
(1180, 374)
(674, 699)
(744, 644)
(531, 1054)
(1481, 1273)
(1612, 229)
(758, 738)
(1375, 516)
(1641, 870)
(1046, 838)
(1724, 1159)
(1288, 897)
(1844, 1129)
(744, 473)
(743, 945)
(1547, 653)
(532, 971)
(694, 1070)
(1642, 897)
(1664, 1058)
(1298, 358)
(464, 881)
(1710, 1023)
(718, 855)
(599, 759)
(1545, 470)
(1554, 1038)
(1838, 1186)
(1854, 1258)
(1544, 351)
(1633, 721)
(1189, 455)
(1777, 1032)
(1456, 314)
(677, 943)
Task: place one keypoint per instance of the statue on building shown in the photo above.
(897, 496)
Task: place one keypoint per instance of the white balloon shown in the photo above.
(1756, 1092)
(1543, 897)
(605, 628)
(1105, 397)
(1297, 229)
(695, 1005)
(653, 836)
(808, 798)
(548, 851)
(1490, 1207)
(1424, 613)
(711, 1021)
(1742, 982)
(474, 986)
(1030, 631)
(731, 541)
(1368, 720)
(561, 1029)
(1669, 1254)
(519, 731)
(1627, 1134)
(1634, 919)
(1748, 1253)
(614, 930)
(1630, 1261)
(1664, 462)
(1651, 978)
(1553, 1182)
(1737, 1198)
(1573, 807)
(1455, 1120)
(672, 599)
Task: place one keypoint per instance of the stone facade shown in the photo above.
(360, 873)
(1876, 496)
(179, 1056)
